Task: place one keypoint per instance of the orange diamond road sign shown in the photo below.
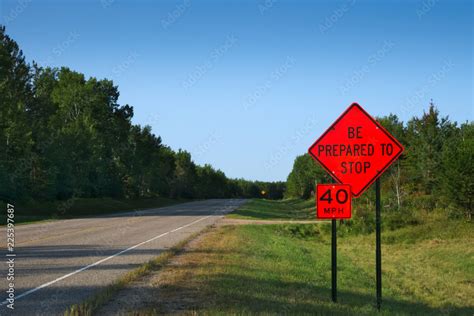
(356, 149)
(333, 201)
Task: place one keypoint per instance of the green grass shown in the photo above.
(290, 209)
(79, 207)
(286, 269)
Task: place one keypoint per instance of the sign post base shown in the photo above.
(334, 261)
(378, 250)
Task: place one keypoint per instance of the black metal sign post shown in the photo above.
(378, 250)
(334, 261)
(333, 201)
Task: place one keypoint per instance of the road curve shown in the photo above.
(63, 262)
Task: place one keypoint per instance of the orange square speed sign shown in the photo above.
(333, 201)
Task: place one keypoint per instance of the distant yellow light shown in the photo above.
(263, 192)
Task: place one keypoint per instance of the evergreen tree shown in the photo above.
(458, 170)
(15, 131)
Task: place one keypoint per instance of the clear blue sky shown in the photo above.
(248, 85)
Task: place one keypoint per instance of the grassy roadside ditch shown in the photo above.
(285, 269)
(290, 209)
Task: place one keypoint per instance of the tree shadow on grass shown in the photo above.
(238, 294)
(277, 215)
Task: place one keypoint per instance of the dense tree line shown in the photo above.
(435, 171)
(64, 135)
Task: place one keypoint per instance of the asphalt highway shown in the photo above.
(63, 262)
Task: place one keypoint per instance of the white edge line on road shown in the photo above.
(101, 261)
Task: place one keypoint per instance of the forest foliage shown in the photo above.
(64, 135)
